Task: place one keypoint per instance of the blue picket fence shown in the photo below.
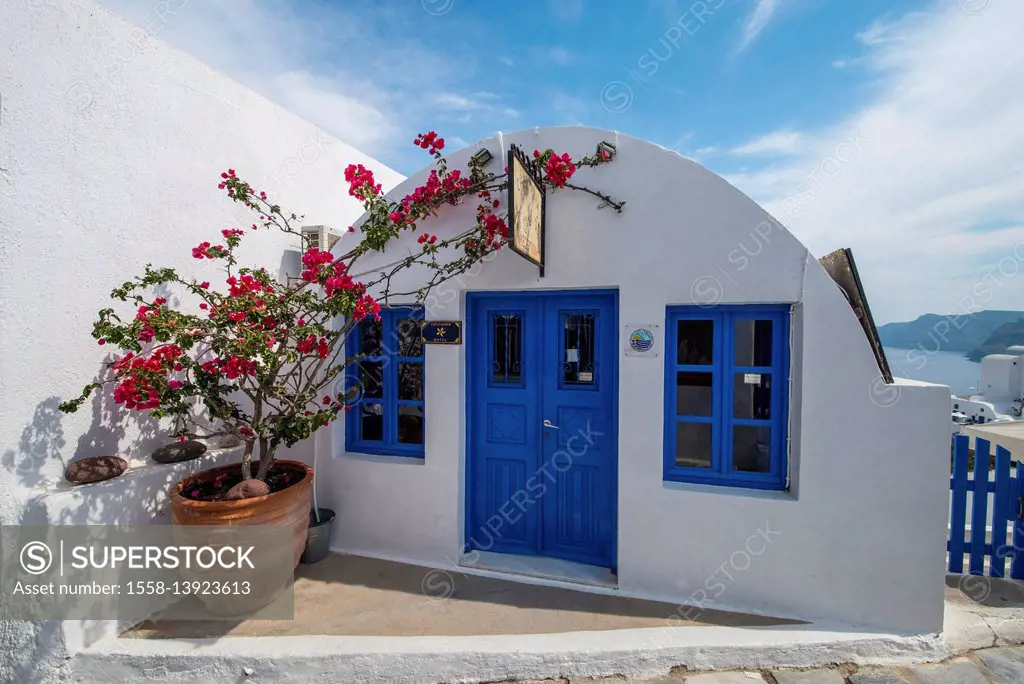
(995, 503)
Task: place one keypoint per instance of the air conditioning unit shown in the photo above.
(321, 237)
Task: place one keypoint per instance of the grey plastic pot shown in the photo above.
(319, 538)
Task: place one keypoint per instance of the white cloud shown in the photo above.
(938, 161)
(760, 16)
(558, 55)
(566, 10)
(481, 102)
(339, 69)
(776, 143)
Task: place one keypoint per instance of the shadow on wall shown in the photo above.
(40, 449)
(42, 442)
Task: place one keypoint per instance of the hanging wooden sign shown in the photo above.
(526, 205)
(441, 332)
(843, 270)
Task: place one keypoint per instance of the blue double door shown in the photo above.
(543, 385)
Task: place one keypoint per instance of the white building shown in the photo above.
(680, 479)
(748, 460)
(1000, 391)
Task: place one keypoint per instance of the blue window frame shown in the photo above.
(726, 395)
(386, 374)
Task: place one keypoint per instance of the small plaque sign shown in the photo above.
(642, 340)
(441, 332)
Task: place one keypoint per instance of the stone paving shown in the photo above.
(1003, 665)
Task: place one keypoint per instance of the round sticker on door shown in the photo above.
(641, 340)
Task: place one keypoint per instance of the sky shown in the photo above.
(893, 127)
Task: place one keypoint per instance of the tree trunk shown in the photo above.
(266, 459)
(247, 460)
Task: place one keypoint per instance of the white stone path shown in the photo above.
(1003, 665)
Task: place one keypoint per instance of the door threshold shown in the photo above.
(541, 567)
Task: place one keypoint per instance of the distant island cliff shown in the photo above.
(975, 334)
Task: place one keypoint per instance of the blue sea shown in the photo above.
(945, 368)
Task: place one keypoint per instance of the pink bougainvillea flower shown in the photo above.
(361, 183)
(559, 169)
(430, 141)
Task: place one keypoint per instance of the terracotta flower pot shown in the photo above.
(285, 508)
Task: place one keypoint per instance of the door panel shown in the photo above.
(579, 338)
(542, 444)
(504, 371)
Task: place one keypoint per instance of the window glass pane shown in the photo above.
(407, 336)
(752, 395)
(693, 445)
(693, 394)
(751, 448)
(507, 350)
(369, 337)
(371, 378)
(753, 342)
(410, 424)
(410, 381)
(578, 349)
(372, 417)
(695, 342)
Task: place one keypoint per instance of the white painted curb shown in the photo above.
(633, 652)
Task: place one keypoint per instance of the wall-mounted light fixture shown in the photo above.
(605, 149)
(481, 158)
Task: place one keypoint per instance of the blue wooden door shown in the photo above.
(542, 444)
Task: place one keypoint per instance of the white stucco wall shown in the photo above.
(858, 540)
(111, 146)
(1000, 377)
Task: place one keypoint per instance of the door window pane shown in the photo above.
(693, 445)
(751, 448)
(372, 418)
(752, 395)
(752, 342)
(371, 379)
(407, 332)
(578, 349)
(410, 381)
(693, 394)
(410, 424)
(695, 342)
(370, 337)
(507, 350)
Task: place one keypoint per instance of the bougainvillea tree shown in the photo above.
(257, 358)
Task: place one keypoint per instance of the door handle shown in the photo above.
(547, 424)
